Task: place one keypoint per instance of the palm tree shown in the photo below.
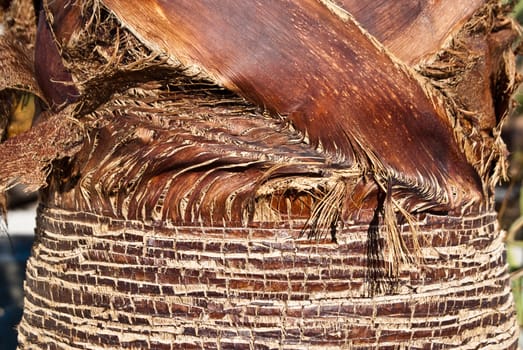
(261, 175)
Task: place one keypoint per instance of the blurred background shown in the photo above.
(16, 240)
(509, 195)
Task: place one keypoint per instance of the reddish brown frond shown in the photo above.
(328, 77)
(412, 30)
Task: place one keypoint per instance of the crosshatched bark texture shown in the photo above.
(261, 175)
(192, 287)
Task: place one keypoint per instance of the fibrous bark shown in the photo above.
(279, 175)
(123, 284)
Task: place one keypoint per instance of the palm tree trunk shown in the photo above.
(128, 284)
(288, 175)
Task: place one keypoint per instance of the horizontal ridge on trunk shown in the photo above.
(201, 287)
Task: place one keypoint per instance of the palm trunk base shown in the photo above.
(101, 282)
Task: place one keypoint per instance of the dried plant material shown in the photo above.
(27, 158)
(16, 67)
(319, 96)
(435, 176)
(16, 61)
(180, 155)
(410, 29)
(117, 283)
(53, 78)
(416, 150)
(475, 72)
(18, 80)
(19, 22)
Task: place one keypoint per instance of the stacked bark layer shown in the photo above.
(97, 282)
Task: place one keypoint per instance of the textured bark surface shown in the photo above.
(99, 282)
(232, 175)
